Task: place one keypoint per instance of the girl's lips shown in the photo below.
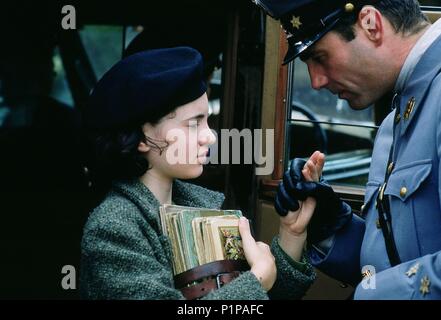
(202, 159)
(203, 154)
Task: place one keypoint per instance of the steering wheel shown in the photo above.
(319, 133)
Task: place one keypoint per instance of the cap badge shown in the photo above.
(295, 21)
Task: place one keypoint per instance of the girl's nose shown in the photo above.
(207, 137)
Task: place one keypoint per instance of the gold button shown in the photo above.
(403, 191)
(390, 167)
(349, 7)
(397, 118)
(377, 223)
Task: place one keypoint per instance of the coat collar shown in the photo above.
(184, 194)
(419, 83)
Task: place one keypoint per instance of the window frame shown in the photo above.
(277, 97)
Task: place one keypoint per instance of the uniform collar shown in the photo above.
(418, 83)
(426, 40)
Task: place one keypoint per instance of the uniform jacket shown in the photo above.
(415, 199)
(125, 255)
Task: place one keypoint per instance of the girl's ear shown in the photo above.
(146, 129)
(143, 147)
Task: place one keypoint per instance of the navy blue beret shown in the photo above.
(188, 35)
(307, 21)
(145, 87)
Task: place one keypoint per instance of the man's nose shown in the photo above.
(318, 79)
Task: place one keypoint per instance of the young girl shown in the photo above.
(132, 111)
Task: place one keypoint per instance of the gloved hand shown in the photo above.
(331, 212)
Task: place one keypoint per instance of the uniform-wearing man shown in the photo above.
(362, 50)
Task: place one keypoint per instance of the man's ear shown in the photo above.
(370, 21)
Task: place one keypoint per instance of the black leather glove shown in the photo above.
(331, 212)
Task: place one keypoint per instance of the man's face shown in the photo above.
(352, 70)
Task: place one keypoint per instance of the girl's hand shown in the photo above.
(294, 225)
(258, 255)
(314, 167)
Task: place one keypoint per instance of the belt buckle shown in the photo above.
(218, 282)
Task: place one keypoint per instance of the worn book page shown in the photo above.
(173, 242)
(198, 239)
(185, 219)
(225, 239)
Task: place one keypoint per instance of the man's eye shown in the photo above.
(318, 58)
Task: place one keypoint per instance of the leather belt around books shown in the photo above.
(199, 281)
(201, 289)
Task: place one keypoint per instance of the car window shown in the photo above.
(319, 120)
(103, 45)
(60, 88)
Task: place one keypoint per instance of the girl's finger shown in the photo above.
(314, 157)
(313, 170)
(245, 233)
(306, 174)
(320, 162)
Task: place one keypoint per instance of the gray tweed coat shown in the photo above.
(125, 255)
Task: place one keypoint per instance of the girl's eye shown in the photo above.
(194, 123)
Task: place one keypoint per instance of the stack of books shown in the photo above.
(199, 236)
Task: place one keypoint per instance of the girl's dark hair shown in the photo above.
(405, 17)
(114, 155)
